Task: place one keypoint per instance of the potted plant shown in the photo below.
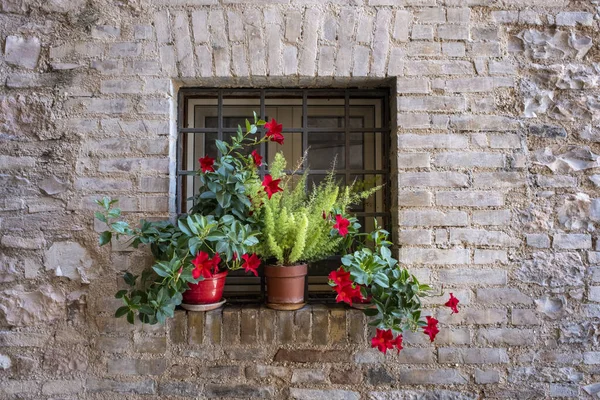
(393, 295)
(300, 226)
(192, 255)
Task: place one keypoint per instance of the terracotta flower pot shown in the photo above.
(285, 286)
(208, 291)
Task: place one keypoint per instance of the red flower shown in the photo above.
(271, 185)
(257, 158)
(203, 265)
(251, 263)
(398, 343)
(206, 163)
(215, 261)
(340, 277)
(431, 329)
(274, 131)
(341, 225)
(452, 303)
(324, 215)
(384, 340)
(347, 293)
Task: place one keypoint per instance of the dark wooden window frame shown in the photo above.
(306, 94)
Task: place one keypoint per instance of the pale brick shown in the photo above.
(472, 356)
(482, 237)
(102, 184)
(498, 180)
(126, 49)
(446, 141)
(459, 15)
(530, 17)
(433, 15)
(326, 61)
(19, 242)
(433, 179)
(467, 315)
(453, 32)
(469, 199)
(432, 218)
(506, 141)
(503, 67)
(574, 18)
(143, 32)
(433, 256)
(309, 376)
(556, 181)
(16, 163)
(484, 256)
(473, 276)
(506, 336)
(183, 44)
(469, 160)
(162, 25)
(401, 25)
(538, 240)
(492, 217)
(308, 51)
(485, 49)
(290, 60)
(381, 42)
(105, 32)
(94, 385)
(120, 86)
(422, 32)
(414, 237)
(505, 17)
(486, 376)
(23, 339)
(594, 294)
(524, 317)
(467, 85)
(572, 241)
(484, 123)
(502, 296)
(62, 387)
(396, 63)
(426, 68)
(293, 26)
(423, 49)
(453, 49)
(22, 52)
(129, 366)
(343, 61)
(361, 61)
(413, 160)
(314, 394)
(413, 121)
(435, 377)
(414, 198)
(199, 26)
(431, 103)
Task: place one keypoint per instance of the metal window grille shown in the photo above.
(223, 109)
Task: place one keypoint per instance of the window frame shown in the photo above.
(262, 94)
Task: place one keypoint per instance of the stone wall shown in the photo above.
(497, 175)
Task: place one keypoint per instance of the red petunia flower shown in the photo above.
(398, 343)
(206, 163)
(271, 185)
(340, 277)
(383, 340)
(274, 131)
(251, 263)
(257, 158)
(452, 303)
(203, 265)
(431, 329)
(347, 293)
(341, 225)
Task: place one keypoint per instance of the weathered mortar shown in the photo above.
(496, 175)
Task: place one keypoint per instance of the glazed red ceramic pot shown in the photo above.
(208, 291)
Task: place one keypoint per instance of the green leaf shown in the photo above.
(105, 238)
(131, 317)
(114, 213)
(121, 311)
(99, 216)
(182, 226)
(120, 294)
(129, 278)
(120, 226)
(222, 146)
(370, 312)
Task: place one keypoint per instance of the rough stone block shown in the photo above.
(22, 52)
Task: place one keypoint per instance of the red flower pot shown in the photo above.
(208, 291)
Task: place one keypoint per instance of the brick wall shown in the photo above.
(495, 182)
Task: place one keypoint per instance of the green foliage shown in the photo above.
(220, 222)
(293, 226)
(394, 292)
(159, 290)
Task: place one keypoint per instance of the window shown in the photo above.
(349, 126)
